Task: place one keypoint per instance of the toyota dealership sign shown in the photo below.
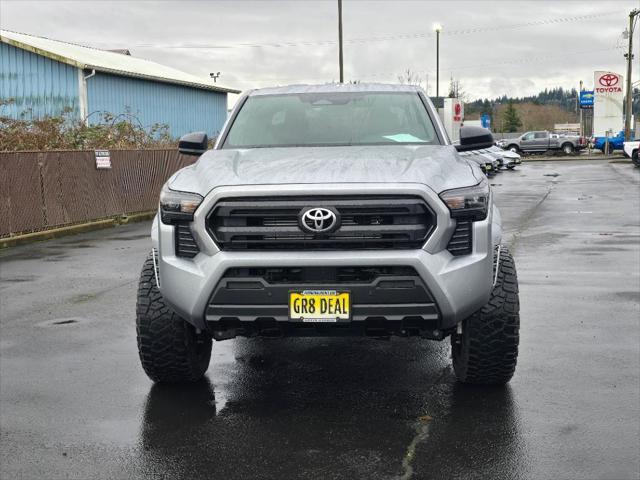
(608, 83)
(608, 99)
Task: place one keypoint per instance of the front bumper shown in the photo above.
(458, 285)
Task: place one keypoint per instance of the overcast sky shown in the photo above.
(491, 47)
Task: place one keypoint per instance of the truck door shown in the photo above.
(540, 141)
(527, 141)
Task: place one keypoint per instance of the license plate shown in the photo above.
(320, 306)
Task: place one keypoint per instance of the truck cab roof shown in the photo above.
(335, 88)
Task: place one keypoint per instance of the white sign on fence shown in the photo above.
(103, 159)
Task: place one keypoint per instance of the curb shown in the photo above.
(571, 159)
(73, 229)
(136, 217)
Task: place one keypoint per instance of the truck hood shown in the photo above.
(438, 167)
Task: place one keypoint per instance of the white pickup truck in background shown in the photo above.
(631, 150)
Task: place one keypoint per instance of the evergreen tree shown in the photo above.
(511, 119)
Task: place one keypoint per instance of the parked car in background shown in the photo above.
(631, 150)
(493, 160)
(488, 165)
(513, 156)
(544, 141)
(493, 157)
(506, 158)
(615, 143)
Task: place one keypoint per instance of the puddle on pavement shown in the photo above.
(65, 322)
(128, 237)
(57, 258)
(629, 296)
(19, 279)
(31, 254)
(60, 322)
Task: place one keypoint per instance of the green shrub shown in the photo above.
(102, 131)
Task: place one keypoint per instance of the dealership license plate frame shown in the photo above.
(316, 293)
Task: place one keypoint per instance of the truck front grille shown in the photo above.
(319, 275)
(366, 222)
(246, 297)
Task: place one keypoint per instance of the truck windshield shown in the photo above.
(323, 119)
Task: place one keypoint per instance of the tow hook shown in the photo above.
(433, 334)
(224, 334)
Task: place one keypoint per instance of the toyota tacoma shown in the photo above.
(329, 210)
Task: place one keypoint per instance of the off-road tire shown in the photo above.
(567, 149)
(513, 148)
(170, 349)
(486, 351)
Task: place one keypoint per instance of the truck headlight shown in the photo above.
(178, 206)
(468, 202)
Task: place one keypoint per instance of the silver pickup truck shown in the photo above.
(543, 141)
(329, 210)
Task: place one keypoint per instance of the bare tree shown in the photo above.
(409, 77)
(455, 91)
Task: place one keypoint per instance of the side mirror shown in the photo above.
(474, 138)
(193, 143)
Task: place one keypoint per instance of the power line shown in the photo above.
(534, 59)
(382, 38)
(488, 65)
(491, 65)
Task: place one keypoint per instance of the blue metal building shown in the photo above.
(40, 77)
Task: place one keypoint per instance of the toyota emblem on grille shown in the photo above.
(318, 220)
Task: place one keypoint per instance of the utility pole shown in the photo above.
(629, 100)
(340, 40)
(580, 107)
(438, 28)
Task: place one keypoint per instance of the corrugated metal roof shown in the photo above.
(105, 61)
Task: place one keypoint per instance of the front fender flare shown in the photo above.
(154, 233)
(496, 226)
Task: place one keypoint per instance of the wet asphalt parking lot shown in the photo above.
(75, 403)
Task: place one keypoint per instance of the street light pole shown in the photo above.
(438, 28)
(629, 100)
(340, 40)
